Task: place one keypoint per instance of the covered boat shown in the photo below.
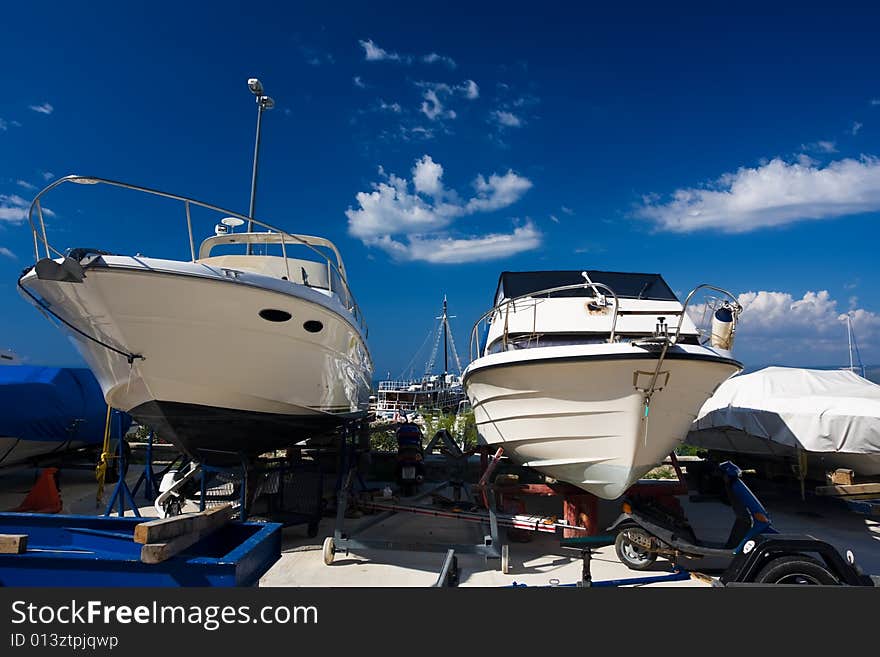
(831, 415)
(49, 410)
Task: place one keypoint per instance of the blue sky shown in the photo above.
(440, 146)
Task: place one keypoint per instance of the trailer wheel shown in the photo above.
(632, 555)
(796, 569)
(328, 550)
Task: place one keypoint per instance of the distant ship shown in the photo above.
(433, 392)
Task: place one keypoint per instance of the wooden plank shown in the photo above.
(157, 552)
(842, 477)
(13, 543)
(156, 531)
(855, 489)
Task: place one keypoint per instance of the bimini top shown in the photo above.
(512, 284)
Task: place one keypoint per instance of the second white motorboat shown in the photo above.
(233, 351)
(593, 378)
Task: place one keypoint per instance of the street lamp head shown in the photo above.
(266, 102)
(255, 86)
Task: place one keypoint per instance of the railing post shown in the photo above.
(189, 228)
(43, 228)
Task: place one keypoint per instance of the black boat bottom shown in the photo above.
(193, 427)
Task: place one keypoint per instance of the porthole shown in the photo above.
(313, 326)
(274, 315)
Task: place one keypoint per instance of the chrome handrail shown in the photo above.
(338, 267)
(506, 303)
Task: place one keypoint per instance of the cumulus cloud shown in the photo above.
(360, 84)
(434, 58)
(774, 194)
(801, 331)
(433, 107)
(25, 185)
(856, 126)
(435, 95)
(390, 107)
(13, 208)
(3, 126)
(410, 219)
(448, 250)
(506, 119)
(44, 108)
(7, 253)
(822, 146)
(374, 53)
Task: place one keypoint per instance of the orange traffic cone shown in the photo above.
(44, 497)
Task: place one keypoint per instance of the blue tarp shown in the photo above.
(55, 404)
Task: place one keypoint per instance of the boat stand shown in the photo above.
(122, 493)
(343, 541)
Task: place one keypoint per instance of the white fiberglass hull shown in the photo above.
(575, 414)
(208, 370)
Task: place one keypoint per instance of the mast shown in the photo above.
(445, 342)
(849, 339)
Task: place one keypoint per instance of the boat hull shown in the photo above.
(575, 413)
(208, 371)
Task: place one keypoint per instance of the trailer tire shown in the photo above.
(328, 550)
(796, 569)
(632, 556)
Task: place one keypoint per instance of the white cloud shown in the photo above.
(390, 107)
(875, 102)
(44, 108)
(434, 58)
(470, 89)
(801, 331)
(433, 108)
(774, 194)
(6, 252)
(13, 208)
(856, 126)
(567, 210)
(47, 175)
(506, 119)
(820, 147)
(410, 220)
(3, 126)
(498, 192)
(554, 218)
(373, 53)
(448, 250)
(358, 82)
(25, 184)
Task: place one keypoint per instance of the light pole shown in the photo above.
(264, 102)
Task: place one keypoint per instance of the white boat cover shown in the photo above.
(818, 410)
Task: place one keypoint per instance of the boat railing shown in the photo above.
(735, 306)
(335, 270)
(502, 311)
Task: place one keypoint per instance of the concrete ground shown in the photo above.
(540, 562)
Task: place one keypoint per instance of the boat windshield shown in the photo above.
(514, 284)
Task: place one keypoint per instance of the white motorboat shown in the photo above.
(593, 378)
(228, 351)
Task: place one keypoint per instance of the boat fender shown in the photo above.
(723, 323)
(67, 271)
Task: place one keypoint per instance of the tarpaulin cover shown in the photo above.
(50, 403)
(818, 410)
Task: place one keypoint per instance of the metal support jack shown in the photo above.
(122, 493)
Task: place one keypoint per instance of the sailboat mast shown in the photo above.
(849, 339)
(445, 342)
